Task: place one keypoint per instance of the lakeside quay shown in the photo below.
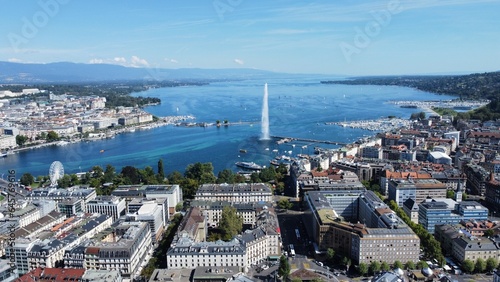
(108, 133)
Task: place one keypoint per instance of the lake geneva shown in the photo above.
(297, 108)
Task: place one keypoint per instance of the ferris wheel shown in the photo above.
(56, 172)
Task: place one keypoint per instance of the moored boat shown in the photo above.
(249, 165)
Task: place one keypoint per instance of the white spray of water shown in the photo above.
(265, 117)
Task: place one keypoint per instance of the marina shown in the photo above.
(379, 125)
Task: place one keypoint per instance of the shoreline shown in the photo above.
(108, 133)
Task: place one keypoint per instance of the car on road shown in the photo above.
(264, 267)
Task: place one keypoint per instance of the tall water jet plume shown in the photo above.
(265, 117)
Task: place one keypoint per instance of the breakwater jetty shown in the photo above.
(283, 139)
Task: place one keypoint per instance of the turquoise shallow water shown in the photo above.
(297, 108)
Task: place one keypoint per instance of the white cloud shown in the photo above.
(120, 60)
(138, 62)
(96, 61)
(173, 61)
(14, 60)
(239, 62)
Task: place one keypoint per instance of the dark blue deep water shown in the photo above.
(297, 108)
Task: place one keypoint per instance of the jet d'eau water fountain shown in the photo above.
(265, 117)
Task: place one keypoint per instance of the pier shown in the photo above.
(283, 139)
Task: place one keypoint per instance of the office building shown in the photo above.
(110, 205)
(417, 189)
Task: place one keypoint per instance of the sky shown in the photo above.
(344, 37)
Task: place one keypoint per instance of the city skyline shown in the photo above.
(346, 38)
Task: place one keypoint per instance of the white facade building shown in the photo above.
(109, 205)
(151, 213)
(7, 142)
(235, 193)
(124, 248)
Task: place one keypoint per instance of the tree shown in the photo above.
(161, 170)
(480, 266)
(131, 175)
(330, 254)
(179, 207)
(230, 223)
(410, 265)
(422, 264)
(464, 196)
(97, 172)
(385, 266)
(52, 136)
(254, 178)
(201, 172)
(363, 269)
(285, 204)
(27, 179)
(226, 176)
(21, 140)
(489, 233)
(175, 178)
(74, 179)
(346, 262)
(109, 173)
(491, 264)
(468, 266)
(147, 175)
(450, 194)
(64, 182)
(319, 168)
(374, 267)
(284, 268)
(268, 174)
(398, 264)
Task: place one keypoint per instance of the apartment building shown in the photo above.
(44, 223)
(213, 211)
(235, 193)
(472, 248)
(123, 247)
(186, 253)
(20, 252)
(58, 195)
(29, 213)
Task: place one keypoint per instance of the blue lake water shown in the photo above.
(297, 108)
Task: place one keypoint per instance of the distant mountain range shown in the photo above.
(73, 72)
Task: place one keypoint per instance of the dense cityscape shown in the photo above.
(416, 201)
(250, 141)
